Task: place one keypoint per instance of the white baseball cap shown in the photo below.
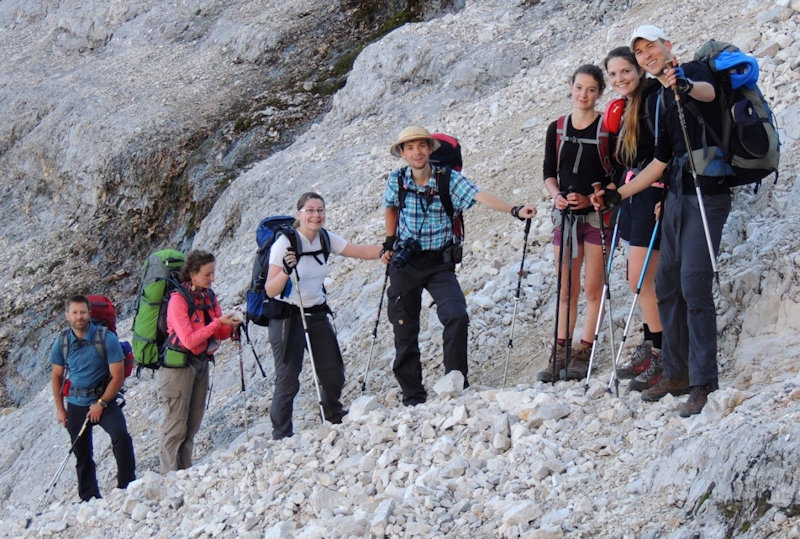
(649, 32)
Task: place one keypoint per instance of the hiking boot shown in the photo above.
(697, 399)
(640, 360)
(664, 386)
(578, 363)
(560, 356)
(651, 376)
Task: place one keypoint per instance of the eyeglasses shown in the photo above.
(320, 211)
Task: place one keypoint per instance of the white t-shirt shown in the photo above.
(311, 270)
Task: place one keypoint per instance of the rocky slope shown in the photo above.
(528, 460)
(124, 121)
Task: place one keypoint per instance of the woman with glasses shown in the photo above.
(286, 335)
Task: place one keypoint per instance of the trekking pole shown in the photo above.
(375, 331)
(606, 296)
(210, 383)
(635, 298)
(241, 374)
(684, 130)
(606, 273)
(568, 342)
(49, 490)
(559, 277)
(253, 349)
(308, 342)
(516, 297)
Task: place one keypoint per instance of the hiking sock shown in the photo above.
(561, 342)
(586, 344)
(656, 338)
(648, 335)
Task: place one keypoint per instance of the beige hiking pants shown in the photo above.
(182, 394)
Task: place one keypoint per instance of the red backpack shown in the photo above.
(102, 312)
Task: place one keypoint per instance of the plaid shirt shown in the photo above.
(425, 221)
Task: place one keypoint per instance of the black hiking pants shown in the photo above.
(405, 303)
(113, 422)
(287, 338)
(685, 286)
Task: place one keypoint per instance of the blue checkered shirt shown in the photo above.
(427, 223)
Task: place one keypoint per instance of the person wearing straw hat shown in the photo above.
(422, 252)
(696, 208)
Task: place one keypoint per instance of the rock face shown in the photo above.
(124, 122)
(529, 459)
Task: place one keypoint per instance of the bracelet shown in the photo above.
(515, 212)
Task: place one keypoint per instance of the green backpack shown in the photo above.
(160, 276)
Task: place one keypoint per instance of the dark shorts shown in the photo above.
(637, 219)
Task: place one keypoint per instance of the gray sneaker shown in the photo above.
(640, 360)
(649, 377)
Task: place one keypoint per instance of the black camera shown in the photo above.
(407, 249)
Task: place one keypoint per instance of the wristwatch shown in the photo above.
(103, 404)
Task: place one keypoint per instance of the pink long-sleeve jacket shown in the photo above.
(192, 332)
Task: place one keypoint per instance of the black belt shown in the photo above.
(314, 309)
(437, 257)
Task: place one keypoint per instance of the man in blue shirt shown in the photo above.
(95, 369)
(421, 240)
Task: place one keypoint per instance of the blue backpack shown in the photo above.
(260, 308)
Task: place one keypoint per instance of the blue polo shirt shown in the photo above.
(423, 217)
(87, 369)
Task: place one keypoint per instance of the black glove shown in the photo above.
(388, 244)
(515, 212)
(289, 263)
(611, 198)
(682, 84)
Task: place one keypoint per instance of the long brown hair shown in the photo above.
(625, 151)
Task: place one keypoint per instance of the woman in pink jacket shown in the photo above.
(195, 325)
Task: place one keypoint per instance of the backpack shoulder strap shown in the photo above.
(401, 189)
(722, 142)
(100, 341)
(178, 287)
(291, 234)
(443, 176)
(561, 132)
(325, 241)
(63, 342)
(604, 146)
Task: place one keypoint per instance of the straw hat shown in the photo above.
(408, 134)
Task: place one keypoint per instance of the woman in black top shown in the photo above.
(573, 162)
(634, 150)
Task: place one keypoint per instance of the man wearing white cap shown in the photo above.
(420, 244)
(685, 277)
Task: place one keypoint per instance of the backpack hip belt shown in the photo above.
(85, 392)
(314, 309)
(591, 218)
